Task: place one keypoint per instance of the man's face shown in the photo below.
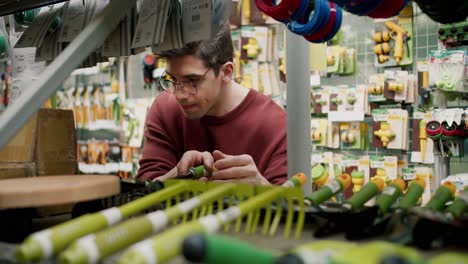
(191, 70)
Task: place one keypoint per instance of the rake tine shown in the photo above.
(266, 221)
(197, 210)
(248, 225)
(203, 211)
(300, 220)
(210, 208)
(185, 217)
(255, 221)
(177, 201)
(289, 218)
(277, 219)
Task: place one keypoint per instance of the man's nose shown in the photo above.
(179, 94)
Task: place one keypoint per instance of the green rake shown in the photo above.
(92, 248)
(168, 244)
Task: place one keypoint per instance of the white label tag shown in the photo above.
(196, 20)
(334, 185)
(144, 32)
(88, 243)
(210, 223)
(188, 205)
(390, 190)
(44, 239)
(158, 219)
(229, 214)
(112, 215)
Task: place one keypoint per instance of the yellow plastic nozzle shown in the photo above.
(301, 177)
(419, 181)
(379, 182)
(450, 186)
(400, 183)
(345, 179)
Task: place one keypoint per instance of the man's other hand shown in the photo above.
(240, 168)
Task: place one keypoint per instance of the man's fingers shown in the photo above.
(217, 155)
(208, 161)
(232, 161)
(232, 173)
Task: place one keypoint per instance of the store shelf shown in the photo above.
(13, 6)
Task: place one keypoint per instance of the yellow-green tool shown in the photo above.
(167, 245)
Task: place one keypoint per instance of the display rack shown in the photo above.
(13, 6)
(94, 35)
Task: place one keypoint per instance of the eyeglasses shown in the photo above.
(188, 87)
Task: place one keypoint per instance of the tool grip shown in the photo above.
(388, 197)
(365, 194)
(443, 195)
(326, 192)
(214, 249)
(197, 172)
(415, 190)
(460, 205)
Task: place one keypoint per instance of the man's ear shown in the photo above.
(228, 71)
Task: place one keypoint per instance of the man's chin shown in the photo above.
(192, 115)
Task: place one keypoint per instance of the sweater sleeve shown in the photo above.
(158, 153)
(276, 171)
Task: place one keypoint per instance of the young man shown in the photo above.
(205, 118)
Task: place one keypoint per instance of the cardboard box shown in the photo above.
(17, 170)
(48, 141)
(21, 146)
(55, 152)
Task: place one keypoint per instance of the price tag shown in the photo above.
(196, 20)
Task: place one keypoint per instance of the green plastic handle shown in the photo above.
(440, 198)
(326, 192)
(411, 196)
(460, 205)
(214, 249)
(197, 172)
(365, 194)
(389, 195)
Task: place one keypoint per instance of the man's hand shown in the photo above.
(190, 158)
(194, 158)
(240, 168)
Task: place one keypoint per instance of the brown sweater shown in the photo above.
(256, 127)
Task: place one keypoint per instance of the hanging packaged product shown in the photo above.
(390, 128)
(333, 135)
(318, 131)
(447, 70)
(394, 40)
(333, 59)
(353, 135)
(375, 88)
(321, 100)
(395, 87)
(422, 147)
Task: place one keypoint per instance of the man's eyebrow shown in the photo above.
(186, 76)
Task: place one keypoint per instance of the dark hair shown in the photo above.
(214, 52)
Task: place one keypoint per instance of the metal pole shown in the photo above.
(50, 79)
(298, 107)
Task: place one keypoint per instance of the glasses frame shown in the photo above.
(182, 85)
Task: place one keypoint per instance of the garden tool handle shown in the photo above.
(390, 194)
(368, 191)
(213, 249)
(442, 195)
(460, 205)
(330, 189)
(411, 197)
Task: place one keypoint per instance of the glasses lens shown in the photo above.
(166, 83)
(188, 88)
